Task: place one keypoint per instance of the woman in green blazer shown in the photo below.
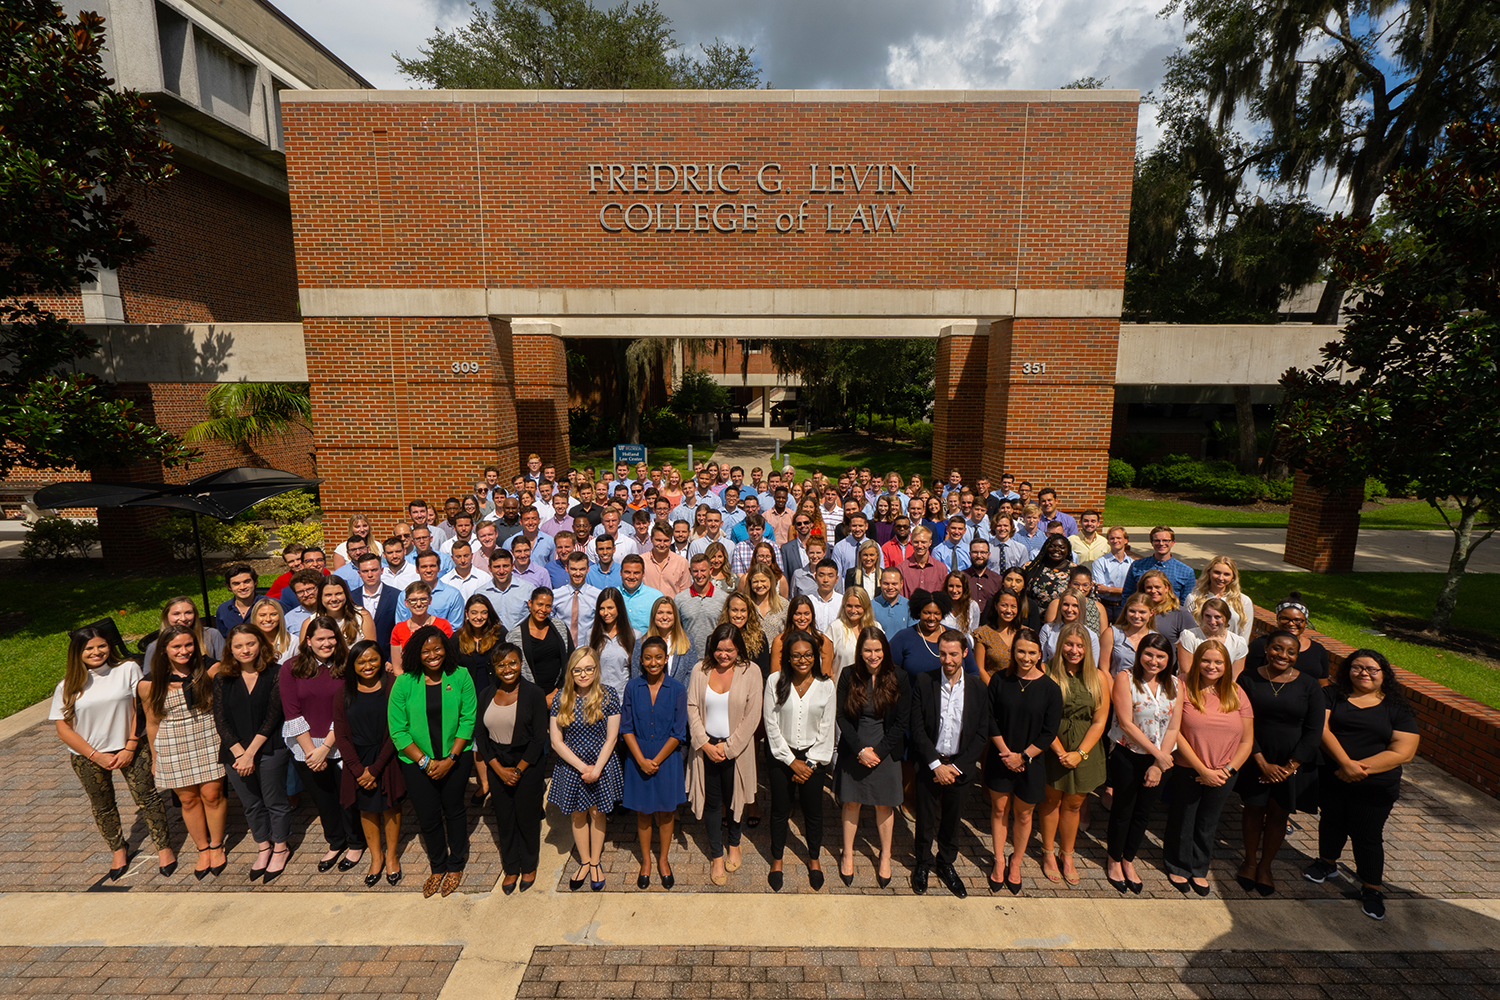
(432, 719)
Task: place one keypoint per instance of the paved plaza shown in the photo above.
(70, 934)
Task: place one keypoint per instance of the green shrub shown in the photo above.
(303, 533)
(177, 532)
(1226, 488)
(1278, 491)
(921, 435)
(698, 392)
(1375, 489)
(1213, 482)
(244, 540)
(1121, 473)
(59, 538)
(298, 505)
(663, 428)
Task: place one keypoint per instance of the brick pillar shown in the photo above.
(1051, 425)
(958, 415)
(393, 421)
(541, 393)
(1323, 529)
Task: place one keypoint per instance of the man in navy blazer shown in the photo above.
(950, 728)
(378, 598)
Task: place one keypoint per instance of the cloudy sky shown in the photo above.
(917, 44)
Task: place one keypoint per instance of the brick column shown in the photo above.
(1323, 529)
(958, 415)
(1051, 425)
(393, 421)
(541, 393)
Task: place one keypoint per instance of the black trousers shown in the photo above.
(442, 813)
(939, 809)
(1133, 801)
(718, 798)
(1355, 813)
(1192, 822)
(341, 826)
(518, 819)
(809, 795)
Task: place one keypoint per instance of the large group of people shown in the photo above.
(653, 638)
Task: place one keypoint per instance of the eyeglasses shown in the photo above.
(1374, 670)
(803, 656)
(405, 535)
(582, 671)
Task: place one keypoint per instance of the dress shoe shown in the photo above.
(1135, 887)
(815, 878)
(394, 878)
(326, 865)
(433, 885)
(452, 881)
(372, 880)
(271, 876)
(668, 880)
(597, 885)
(526, 883)
(167, 871)
(507, 887)
(1202, 890)
(775, 881)
(994, 886)
(950, 878)
(643, 881)
(218, 869)
(574, 884)
(115, 874)
(919, 879)
(347, 864)
(1182, 886)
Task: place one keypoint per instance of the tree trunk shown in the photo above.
(625, 381)
(1457, 564)
(1244, 416)
(1330, 303)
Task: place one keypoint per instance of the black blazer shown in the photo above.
(895, 722)
(384, 614)
(973, 734)
(532, 733)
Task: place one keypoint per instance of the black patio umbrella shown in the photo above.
(223, 495)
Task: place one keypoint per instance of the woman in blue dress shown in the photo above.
(586, 779)
(653, 726)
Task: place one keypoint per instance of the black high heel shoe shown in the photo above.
(218, 869)
(372, 880)
(271, 876)
(115, 874)
(394, 878)
(256, 873)
(167, 871)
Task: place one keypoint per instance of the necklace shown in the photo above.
(1275, 690)
(1026, 684)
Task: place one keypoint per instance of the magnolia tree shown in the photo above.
(1412, 391)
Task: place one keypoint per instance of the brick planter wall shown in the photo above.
(1459, 734)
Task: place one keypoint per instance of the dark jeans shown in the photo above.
(939, 808)
(809, 795)
(1355, 813)
(268, 813)
(99, 785)
(340, 824)
(518, 819)
(718, 798)
(1133, 802)
(442, 813)
(1192, 822)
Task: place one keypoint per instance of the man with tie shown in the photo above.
(378, 598)
(950, 728)
(573, 603)
(952, 551)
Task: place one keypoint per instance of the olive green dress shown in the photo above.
(1077, 716)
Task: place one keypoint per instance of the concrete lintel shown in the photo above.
(715, 96)
(751, 302)
(1216, 355)
(753, 381)
(746, 327)
(394, 302)
(203, 151)
(1056, 302)
(197, 352)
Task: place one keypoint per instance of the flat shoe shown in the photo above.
(1119, 884)
(1202, 890)
(394, 878)
(326, 865)
(526, 883)
(1248, 884)
(1181, 887)
(643, 881)
(732, 866)
(668, 880)
(347, 865)
(719, 879)
(597, 885)
(1135, 887)
(433, 885)
(1264, 889)
(451, 881)
(507, 887)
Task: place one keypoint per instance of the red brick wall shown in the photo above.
(541, 398)
(1323, 530)
(415, 195)
(959, 428)
(393, 420)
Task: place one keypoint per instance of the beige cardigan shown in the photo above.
(744, 716)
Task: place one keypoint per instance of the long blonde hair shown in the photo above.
(197, 618)
(281, 640)
(567, 699)
(678, 641)
(1169, 602)
(773, 596)
(1088, 673)
(1226, 689)
(1232, 594)
(863, 597)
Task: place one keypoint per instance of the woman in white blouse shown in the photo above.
(843, 632)
(799, 712)
(1213, 618)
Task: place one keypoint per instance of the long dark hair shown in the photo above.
(470, 641)
(1039, 562)
(419, 639)
(351, 676)
(1389, 686)
(305, 666)
(784, 676)
(625, 633)
(887, 686)
(800, 600)
(198, 687)
(718, 635)
(76, 676)
(229, 667)
(1166, 677)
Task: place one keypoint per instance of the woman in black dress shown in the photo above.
(1291, 616)
(1369, 733)
(1281, 776)
(510, 740)
(544, 647)
(372, 780)
(874, 701)
(1026, 708)
(472, 644)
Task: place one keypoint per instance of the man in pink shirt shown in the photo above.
(919, 571)
(665, 570)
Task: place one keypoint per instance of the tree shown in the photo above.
(572, 45)
(1355, 87)
(71, 148)
(1422, 345)
(246, 414)
(846, 377)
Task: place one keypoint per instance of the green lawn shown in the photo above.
(1341, 605)
(1123, 510)
(32, 656)
(833, 453)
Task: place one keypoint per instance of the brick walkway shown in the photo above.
(792, 972)
(1431, 850)
(48, 841)
(413, 973)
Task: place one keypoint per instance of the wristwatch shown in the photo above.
(1231, 771)
(1026, 758)
(453, 757)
